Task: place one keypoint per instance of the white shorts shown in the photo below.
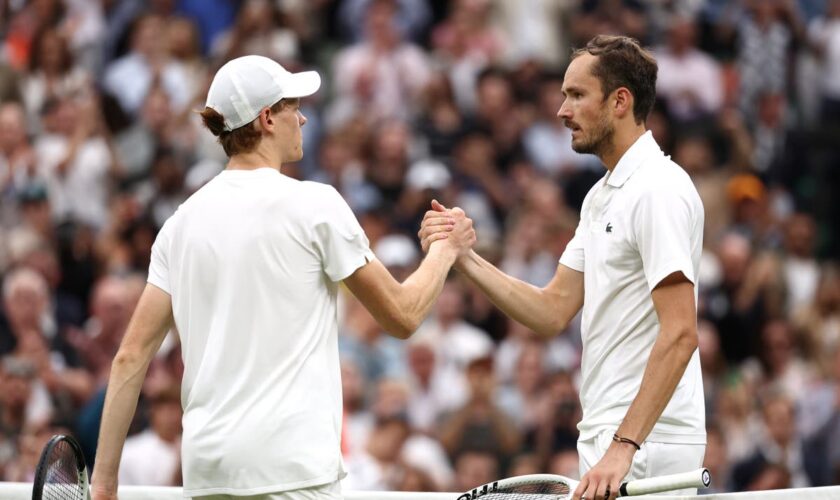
(331, 491)
(654, 459)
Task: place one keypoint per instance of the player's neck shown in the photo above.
(623, 138)
(261, 157)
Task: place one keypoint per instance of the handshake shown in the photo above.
(449, 226)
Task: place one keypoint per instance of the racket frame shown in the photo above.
(43, 466)
(699, 478)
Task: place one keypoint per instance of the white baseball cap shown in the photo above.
(246, 85)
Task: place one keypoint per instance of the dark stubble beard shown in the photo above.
(600, 140)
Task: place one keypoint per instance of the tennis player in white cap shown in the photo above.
(247, 270)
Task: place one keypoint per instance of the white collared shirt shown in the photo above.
(639, 224)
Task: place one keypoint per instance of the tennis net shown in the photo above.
(23, 491)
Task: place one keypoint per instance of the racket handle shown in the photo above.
(699, 478)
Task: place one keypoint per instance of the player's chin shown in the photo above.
(296, 155)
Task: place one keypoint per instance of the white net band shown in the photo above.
(23, 491)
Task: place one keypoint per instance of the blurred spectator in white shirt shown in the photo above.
(824, 37)
(457, 343)
(78, 160)
(465, 43)
(382, 75)
(534, 29)
(52, 73)
(162, 441)
(148, 64)
(689, 80)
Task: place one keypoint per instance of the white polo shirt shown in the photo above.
(638, 225)
(252, 261)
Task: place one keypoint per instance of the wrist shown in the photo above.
(464, 260)
(625, 445)
(444, 250)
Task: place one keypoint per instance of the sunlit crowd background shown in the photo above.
(455, 100)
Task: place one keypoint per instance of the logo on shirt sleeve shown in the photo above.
(609, 227)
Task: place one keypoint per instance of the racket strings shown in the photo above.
(62, 480)
(542, 490)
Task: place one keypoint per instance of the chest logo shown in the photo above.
(609, 227)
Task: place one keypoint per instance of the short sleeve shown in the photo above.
(159, 264)
(573, 257)
(663, 226)
(339, 239)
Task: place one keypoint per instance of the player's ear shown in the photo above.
(623, 102)
(266, 121)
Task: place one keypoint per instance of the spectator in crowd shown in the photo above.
(824, 37)
(457, 343)
(381, 75)
(480, 424)
(149, 63)
(161, 440)
(78, 160)
(689, 80)
(52, 72)
(17, 160)
(97, 343)
(257, 32)
(474, 468)
(780, 447)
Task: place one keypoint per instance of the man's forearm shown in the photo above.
(523, 302)
(668, 360)
(420, 290)
(124, 384)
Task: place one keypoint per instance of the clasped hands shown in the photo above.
(451, 225)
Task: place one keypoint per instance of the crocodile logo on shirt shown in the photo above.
(609, 227)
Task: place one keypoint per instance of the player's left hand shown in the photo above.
(603, 480)
(437, 223)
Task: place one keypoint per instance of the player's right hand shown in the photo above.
(462, 237)
(442, 223)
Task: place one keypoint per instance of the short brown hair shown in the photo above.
(241, 140)
(622, 62)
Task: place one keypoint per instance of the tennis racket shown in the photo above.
(552, 487)
(61, 472)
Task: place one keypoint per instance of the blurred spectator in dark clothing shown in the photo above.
(480, 424)
(716, 460)
(779, 446)
(258, 30)
(32, 333)
(626, 17)
(474, 468)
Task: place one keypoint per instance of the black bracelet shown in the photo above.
(619, 439)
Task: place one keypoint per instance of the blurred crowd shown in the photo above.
(454, 100)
